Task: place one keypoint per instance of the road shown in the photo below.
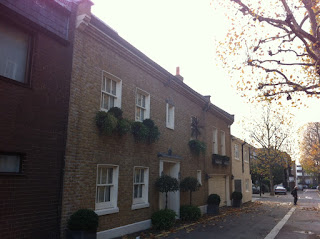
(268, 217)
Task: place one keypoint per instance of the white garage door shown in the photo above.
(217, 185)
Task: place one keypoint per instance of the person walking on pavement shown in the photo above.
(294, 193)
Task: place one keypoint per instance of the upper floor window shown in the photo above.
(10, 163)
(215, 141)
(142, 105)
(111, 91)
(170, 116)
(140, 187)
(14, 52)
(236, 151)
(223, 143)
(107, 188)
(246, 155)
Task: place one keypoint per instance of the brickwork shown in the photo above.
(241, 168)
(93, 54)
(33, 122)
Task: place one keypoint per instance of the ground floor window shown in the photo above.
(140, 187)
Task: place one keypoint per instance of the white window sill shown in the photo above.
(102, 212)
(139, 206)
(170, 127)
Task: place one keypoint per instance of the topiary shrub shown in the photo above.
(163, 219)
(189, 184)
(106, 122)
(166, 184)
(117, 112)
(196, 146)
(189, 213)
(123, 126)
(84, 220)
(214, 199)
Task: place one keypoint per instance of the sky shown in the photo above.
(185, 33)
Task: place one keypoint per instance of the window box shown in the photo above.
(216, 159)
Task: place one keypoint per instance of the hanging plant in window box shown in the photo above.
(145, 131)
(217, 158)
(197, 146)
(112, 122)
(225, 160)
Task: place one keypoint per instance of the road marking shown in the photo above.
(274, 232)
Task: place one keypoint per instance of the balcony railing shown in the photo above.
(220, 159)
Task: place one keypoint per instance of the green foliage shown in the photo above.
(165, 184)
(139, 131)
(84, 220)
(197, 146)
(214, 199)
(163, 219)
(123, 127)
(106, 122)
(189, 213)
(236, 195)
(117, 112)
(146, 131)
(189, 184)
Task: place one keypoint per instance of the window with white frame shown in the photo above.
(199, 176)
(142, 105)
(236, 151)
(223, 142)
(107, 189)
(247, 185)
(215, 141)
(10, 163)
(170, 116)
(110, 91)
(14, 48)
(140, 187)
(246, 155)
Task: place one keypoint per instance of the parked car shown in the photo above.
(280, 190)
(255, 190)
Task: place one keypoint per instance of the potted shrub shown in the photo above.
(163, 219)
(213, 204)
(236, 199)
(83, 224)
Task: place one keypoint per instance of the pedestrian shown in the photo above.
(294, 193)
(263, 188)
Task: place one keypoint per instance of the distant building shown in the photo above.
(304, 178)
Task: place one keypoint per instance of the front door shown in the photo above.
(172, 169)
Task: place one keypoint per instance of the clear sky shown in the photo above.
(185, 33)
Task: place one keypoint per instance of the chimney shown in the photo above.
(207, 97)
(83, 14)
(178, 73)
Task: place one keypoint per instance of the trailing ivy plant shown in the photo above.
(112, 122)
(197, 146)
(145, 131)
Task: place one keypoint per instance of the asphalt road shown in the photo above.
(267, 217)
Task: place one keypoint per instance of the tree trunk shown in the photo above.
(190, 197)
(166, 200)
(271, 182)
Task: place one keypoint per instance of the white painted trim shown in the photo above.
(106, 211)
(139, 206)
(203, 209)
(124, 230)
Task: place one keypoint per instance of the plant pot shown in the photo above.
(80, 234)
(236, 202)
(212, 209)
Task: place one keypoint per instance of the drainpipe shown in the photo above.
(242, 156)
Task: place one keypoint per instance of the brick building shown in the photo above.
(115, 175)
(35, 73)
(241, 156)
